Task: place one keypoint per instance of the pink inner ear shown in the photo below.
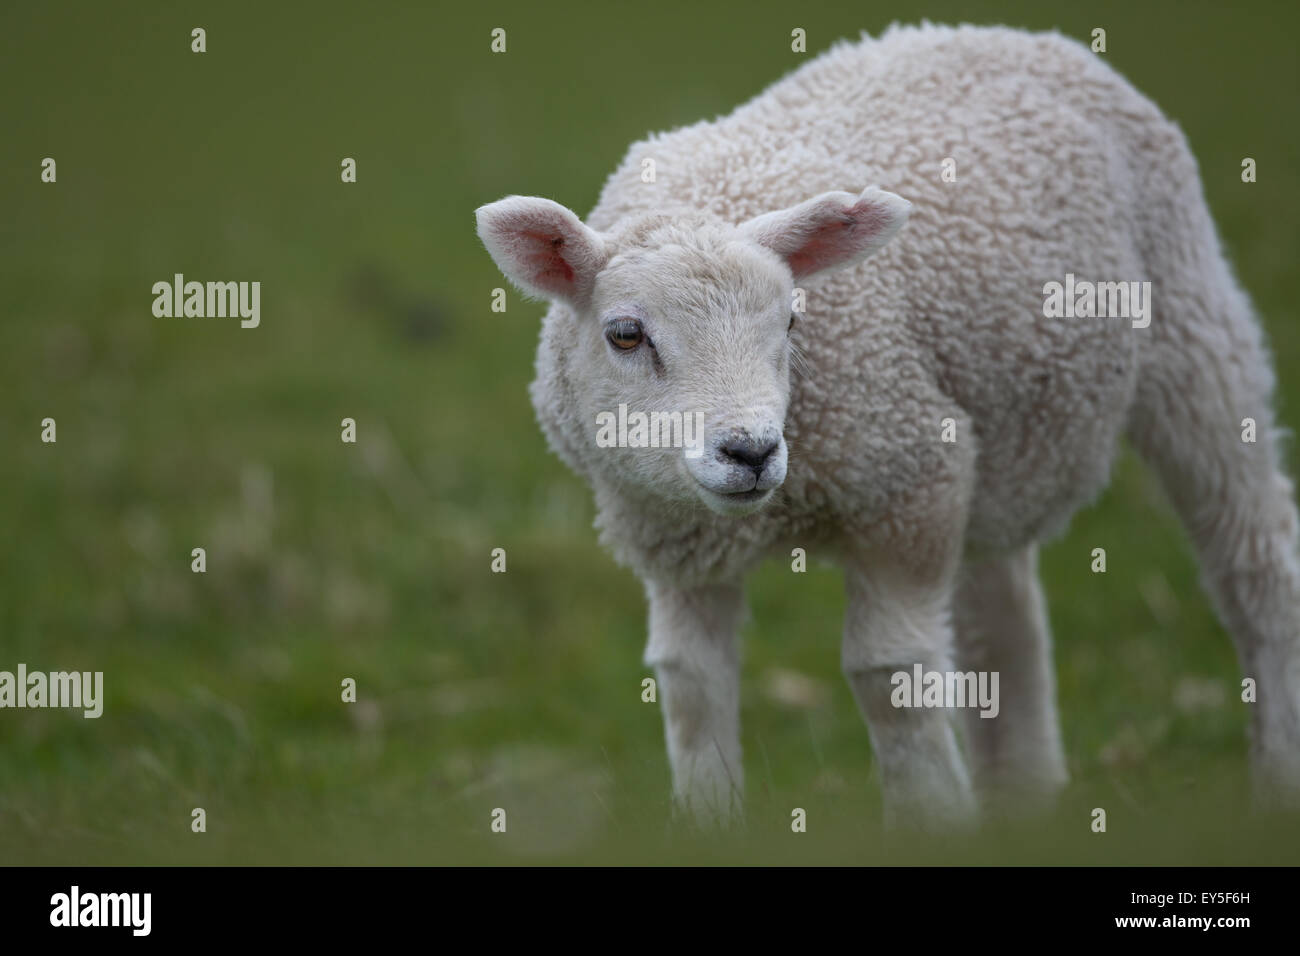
(548, 265)
(837, 239)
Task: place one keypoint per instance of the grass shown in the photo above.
(371, 561)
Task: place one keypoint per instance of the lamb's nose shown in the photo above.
(747, 451)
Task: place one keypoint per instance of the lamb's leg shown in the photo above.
(1015, 757)
(693, 650)
(892, 625)
(1239, 510)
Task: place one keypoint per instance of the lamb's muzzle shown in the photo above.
(741, 470)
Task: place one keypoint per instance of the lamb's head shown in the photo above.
(675, 330)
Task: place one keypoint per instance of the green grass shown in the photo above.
(371, 561)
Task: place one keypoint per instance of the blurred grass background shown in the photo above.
(327, 560)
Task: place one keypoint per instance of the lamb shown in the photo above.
(924, 420)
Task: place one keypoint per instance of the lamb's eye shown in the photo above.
(791, 325)
(624, 334)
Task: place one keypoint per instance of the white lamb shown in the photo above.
(834, 430)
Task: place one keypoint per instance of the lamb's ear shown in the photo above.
(542, 247)
(830, 230)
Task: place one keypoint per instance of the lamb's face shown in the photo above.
(691, 326)
(674, 332)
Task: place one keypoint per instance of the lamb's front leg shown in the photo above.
(692, 648)
(891, 625)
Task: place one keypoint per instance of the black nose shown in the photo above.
(746, 451)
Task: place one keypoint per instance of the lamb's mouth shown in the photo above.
(735, 502)
(752, 495)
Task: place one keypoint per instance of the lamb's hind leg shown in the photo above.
(1000, 617)
(1207, 372)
